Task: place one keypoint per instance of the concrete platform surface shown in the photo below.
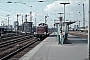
(49, 49)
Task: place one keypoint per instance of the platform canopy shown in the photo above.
(68, 22)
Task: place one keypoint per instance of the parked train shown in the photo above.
(41, 30)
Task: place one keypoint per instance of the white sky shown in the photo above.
(41, 9)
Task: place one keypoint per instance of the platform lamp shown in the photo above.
(64, 9)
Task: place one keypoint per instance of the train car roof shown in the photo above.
(43, 24)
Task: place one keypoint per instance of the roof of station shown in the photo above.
(68, 22)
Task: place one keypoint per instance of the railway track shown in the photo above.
(15, 40)
(24, 51)
(3, 39)
(12, 47)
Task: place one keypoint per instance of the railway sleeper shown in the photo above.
(17, 51)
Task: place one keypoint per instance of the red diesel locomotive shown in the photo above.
(41, 30)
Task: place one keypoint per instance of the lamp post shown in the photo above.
(45, 18)
(83, 17)
(35, 22)
(8, 20)
(17, 24)
(79, 25)
(6, 23)
(26, 26)
(64, 9)
(22, 23)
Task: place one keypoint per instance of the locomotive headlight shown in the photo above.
(35, 33)
(44, 32)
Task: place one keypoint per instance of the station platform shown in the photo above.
(75, 49)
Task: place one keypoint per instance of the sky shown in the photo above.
(50, 8)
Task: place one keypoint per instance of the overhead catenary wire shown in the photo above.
(8, 10)
(15, 9)
(34, 9)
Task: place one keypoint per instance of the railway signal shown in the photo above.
(45, 18)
